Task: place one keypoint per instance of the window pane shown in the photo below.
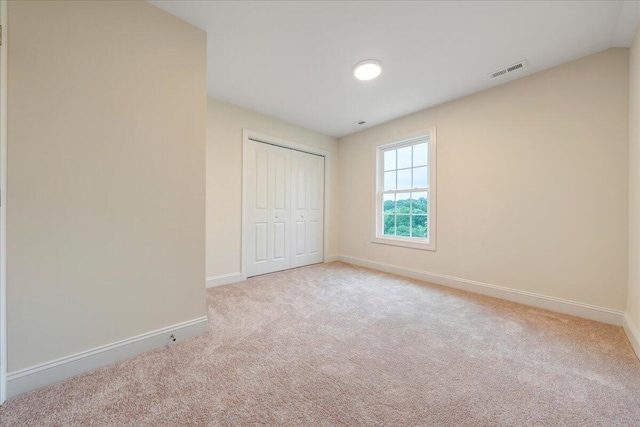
(388, 203)
(404, 179)
(389, 180)
(389, 160)
(419, 203)
(420, 177)
(388, 225)
(404, 157)
(403, 204)
(420, 154)
(419, 226)
(403, 225)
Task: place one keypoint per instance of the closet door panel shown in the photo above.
(316, 210)
(268, 210)
(261, 241)
(307, 177)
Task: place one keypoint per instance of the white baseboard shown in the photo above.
(223, 279)
(633, 334)
(559, 305)
(331, 258)
(48, 373)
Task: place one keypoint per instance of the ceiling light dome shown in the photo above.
(367, 70)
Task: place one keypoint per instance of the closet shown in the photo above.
(284, 208)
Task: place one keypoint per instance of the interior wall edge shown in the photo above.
(3, 203)
(632, 318)
(223, 279)
(34, 377)
(573, 308)
(633, 334)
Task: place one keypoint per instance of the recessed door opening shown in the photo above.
(284, 208)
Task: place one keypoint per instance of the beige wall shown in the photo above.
(106, 175)
(633, 296)
(532, 184)
(224, 178)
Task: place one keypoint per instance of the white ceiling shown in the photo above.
(294, 60)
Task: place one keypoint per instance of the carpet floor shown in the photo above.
(336, 345)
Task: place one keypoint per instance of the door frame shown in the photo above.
(248, 134)
(3, 201)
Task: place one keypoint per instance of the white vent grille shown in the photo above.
(509, 69)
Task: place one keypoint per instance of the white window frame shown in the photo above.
(428, 244)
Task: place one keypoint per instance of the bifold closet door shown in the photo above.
(307, 200)
(268, 208)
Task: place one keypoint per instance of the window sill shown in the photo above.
(405, 243)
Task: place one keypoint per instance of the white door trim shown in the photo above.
(3, 202)
(274, 140)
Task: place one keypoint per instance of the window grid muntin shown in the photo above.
(382, 192)
(396, 147)
(411, 214)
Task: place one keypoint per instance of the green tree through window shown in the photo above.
(406, 217)
(405, 192)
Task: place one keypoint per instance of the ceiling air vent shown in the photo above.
(509, 69)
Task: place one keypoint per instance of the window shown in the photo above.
(406, 192)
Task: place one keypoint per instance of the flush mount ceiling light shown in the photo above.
(367, 70)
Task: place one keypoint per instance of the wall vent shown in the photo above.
(509, 69)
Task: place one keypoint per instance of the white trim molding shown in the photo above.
(331, 258)
(573, 308)
(3, 199)
(423, 136)
(633, 334)
(51, 372)
(223, 279)
(248, 134)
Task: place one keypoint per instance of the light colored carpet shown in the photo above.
(337, 345)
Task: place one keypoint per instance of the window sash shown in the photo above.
(381, 192)
(428, 137)
(381, 214)
(424, 139)
(406, 143)
(404, 190)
